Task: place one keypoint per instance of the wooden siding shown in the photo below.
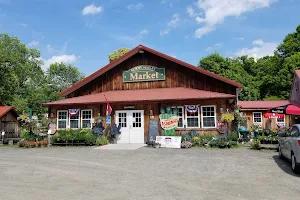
(176, 76)
(155, 107)
(10, 125)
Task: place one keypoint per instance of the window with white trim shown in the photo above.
(62, 118)
(74, 121)
(86, 119)
(180, 113)
(280, 122)
(257, 118)
(209, 116)
(192, 119)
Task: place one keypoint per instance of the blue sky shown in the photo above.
(84, 32)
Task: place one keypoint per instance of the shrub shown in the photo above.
(102, 140)
(255, 144)
(196, 140)
(81, 136)
(234, 136)
(26, 135)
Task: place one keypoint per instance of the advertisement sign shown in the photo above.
(169, 123)
(144, 73)
(169, 141)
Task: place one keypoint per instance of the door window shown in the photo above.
(136, 119)
(122, 120)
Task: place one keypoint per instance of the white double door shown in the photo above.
(132, 126)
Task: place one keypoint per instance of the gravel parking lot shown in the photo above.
(146, 173)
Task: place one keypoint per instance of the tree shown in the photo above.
(61, 76)
(116, 54)
(291, 44)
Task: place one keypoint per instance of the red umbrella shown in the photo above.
(288, 109)
(273, 116)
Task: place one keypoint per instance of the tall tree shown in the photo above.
(116, 54)
(291, 44)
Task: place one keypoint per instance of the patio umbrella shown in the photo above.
(273, 116)
(288, 109)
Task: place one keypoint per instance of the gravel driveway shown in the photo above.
(146, 173)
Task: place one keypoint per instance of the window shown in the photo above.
(295, 132)
(209, 117)
(280, 122)
(74, 121)
(86, 118)
(62, 118)
(257, 118)
(180, 113)
(192, 119)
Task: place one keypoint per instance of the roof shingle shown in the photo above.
(261, 104)
(156, 94)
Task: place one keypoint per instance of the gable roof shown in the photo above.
(132, 53)
(263, 105)
(6, 109)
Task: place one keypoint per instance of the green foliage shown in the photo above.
(255, 144)
(26, 135)
(23, 83)
(267, 78)
(116, 54)
(70, 136)
(102, 140)
(234, 136)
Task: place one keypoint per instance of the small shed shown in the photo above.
(9, 123)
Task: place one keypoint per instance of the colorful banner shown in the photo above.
(169, 123)
(73, 112)
(192, 109)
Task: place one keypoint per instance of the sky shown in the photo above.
(83, 32)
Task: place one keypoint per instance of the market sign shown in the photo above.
(168, 123)
(144, 73)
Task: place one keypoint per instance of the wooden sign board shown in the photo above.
(144, 73)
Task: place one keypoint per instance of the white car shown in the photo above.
(289, 146)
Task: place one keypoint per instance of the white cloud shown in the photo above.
(173, 23)
(164, 32)
(199, 20)
(216, 11)
(191, 11)
(65, 58)
(259, 49)
(258, 42)
(136, 6)
(144, 32)
(91, 10)
(33, 43)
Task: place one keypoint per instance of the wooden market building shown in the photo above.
(9, 125)
(137, 85)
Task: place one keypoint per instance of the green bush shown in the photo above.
(102, 140)
(234, 136)
(81, 136)
(26, 135)
(255, 144)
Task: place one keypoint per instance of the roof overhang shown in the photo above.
(132, 53)
(143, 95)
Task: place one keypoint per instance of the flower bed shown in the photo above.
(33, 144)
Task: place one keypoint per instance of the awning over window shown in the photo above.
(156, 94)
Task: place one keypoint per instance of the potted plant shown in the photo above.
(156, 145)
